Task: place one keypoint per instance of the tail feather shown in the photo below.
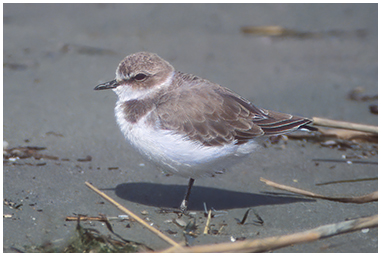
(280, 123)
(284, 126)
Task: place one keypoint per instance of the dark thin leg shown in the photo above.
(184, 204)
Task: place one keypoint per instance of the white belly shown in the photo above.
(176, 154)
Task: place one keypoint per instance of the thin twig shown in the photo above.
(271, 243)
(358, 200)
(344, 125)
(134, 216)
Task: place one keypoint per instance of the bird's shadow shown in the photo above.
(170, 196)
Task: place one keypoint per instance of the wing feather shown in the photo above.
(212, 115)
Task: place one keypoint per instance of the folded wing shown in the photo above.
(213, 116)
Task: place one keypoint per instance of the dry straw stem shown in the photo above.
(267, 30)
(357, 200)
(348, 135)
(331, 134)
(134, 216)
(272, 243)
(206, 229)
(344, 125)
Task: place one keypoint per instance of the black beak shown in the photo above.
(108, 85)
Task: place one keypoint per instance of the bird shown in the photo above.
(185, 124)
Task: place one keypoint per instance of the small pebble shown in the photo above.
(373, 109)
(328, 143)
(123, 216)
(6, 216)
(181, 223)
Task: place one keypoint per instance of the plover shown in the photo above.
(185, 124)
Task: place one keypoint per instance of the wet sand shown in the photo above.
(55, 54)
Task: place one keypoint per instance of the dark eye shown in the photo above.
(140, 77)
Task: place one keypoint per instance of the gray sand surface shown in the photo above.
(55, 54)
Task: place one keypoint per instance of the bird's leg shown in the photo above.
(184, 203)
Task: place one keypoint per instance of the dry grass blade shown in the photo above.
(206, 230)
(358, 200)
(348, 135)
(267, 30)
(330, 135)
(83, 218)
(134, 216)
(344, 125)
(271, 243)
(99, 218)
